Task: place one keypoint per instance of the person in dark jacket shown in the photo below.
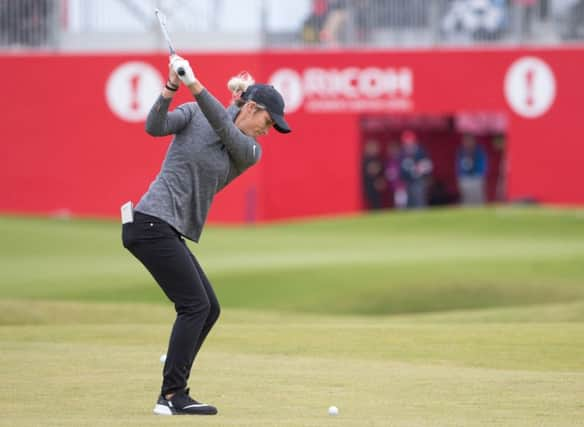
(415, 169)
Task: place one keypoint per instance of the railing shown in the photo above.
(81, 25)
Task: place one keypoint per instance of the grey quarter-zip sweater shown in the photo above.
(207, 152)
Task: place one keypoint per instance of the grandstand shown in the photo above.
(73, 25)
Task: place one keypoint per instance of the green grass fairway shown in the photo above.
(438, 318)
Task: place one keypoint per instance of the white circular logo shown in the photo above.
(530, 87)
(289, 83)
(131, 90)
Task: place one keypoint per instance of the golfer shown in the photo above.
(212, 146)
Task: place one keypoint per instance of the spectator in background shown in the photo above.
(337, 21)
(415, 169)
(313, 25)
(327, 22)
(372, 175)
(471, 170)
(393, 178)
(334, 29)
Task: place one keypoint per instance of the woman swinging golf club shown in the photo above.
(212, 146)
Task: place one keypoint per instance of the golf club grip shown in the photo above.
(181, 70)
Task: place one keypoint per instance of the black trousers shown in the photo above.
(165, 254)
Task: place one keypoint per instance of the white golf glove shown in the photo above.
(188, 78)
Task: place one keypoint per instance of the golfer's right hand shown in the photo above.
(176, 63)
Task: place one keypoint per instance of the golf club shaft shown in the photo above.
(180, 71)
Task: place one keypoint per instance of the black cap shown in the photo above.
(269, 97)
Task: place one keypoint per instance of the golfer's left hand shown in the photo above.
(188, 78)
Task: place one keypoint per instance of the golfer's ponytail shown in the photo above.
(239, 84)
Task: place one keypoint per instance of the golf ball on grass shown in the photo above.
(333, 410)
(163, 358)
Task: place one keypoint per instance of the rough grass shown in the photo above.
(377, 264)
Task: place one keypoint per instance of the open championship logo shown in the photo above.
(347, 89)
(530, 87)
(131, 90)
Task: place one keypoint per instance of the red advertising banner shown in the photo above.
(74, 141)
